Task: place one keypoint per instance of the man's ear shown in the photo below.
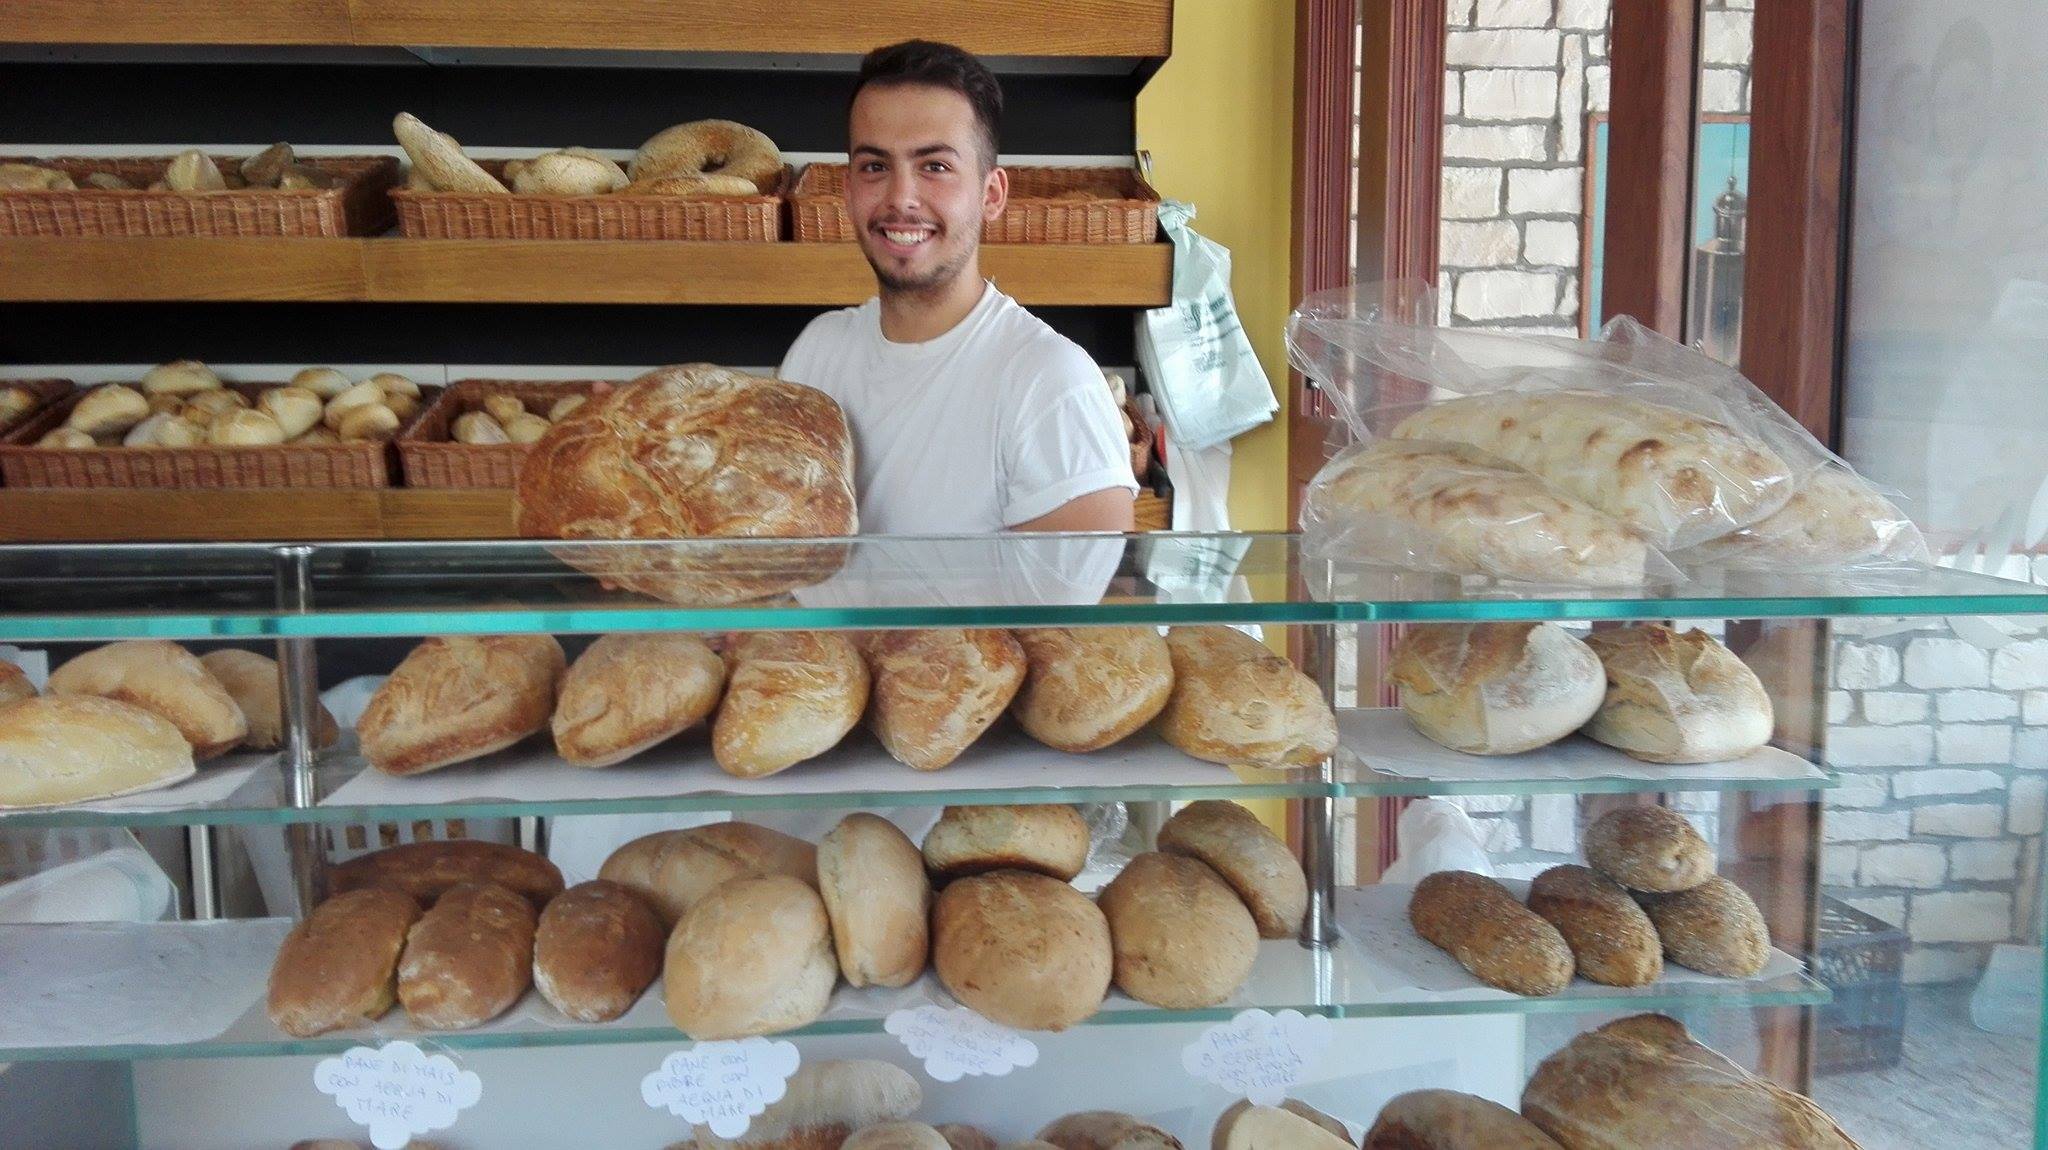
(995, 193)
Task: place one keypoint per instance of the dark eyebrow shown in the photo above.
(927, 150)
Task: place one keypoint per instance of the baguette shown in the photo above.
(1503, 943)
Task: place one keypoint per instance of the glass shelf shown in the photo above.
(381, 589)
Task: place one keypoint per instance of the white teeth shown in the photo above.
(905, 237)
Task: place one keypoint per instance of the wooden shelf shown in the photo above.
(395, 270)
(1115, 28)
(102, 515)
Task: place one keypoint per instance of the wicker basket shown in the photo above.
(45, 393)
(23, 464)
(359, 207)
(612, 216)
(1047, 206)
(432, 459)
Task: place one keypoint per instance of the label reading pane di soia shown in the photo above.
(398, 1091)
(724, 1085)
(1258, 1055)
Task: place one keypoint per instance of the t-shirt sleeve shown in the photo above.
(798, 362)
(1069, 440)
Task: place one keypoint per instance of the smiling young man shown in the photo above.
(969, 413)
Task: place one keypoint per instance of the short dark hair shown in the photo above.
(937, 65)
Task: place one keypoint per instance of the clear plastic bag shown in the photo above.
(1837, 519)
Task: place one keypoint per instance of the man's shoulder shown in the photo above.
(825, 334)
(1034, 351)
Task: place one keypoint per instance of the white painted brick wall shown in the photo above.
(1504, 48)
(1862, 666)
(2020, 666)
(1889, 907)
(1515, 13)
(1860, 791)
(1550, 243)
(2027, 806)
(1723, 91)
(1491, 295)
(1841, 706)
(1973, 743)
(1865, 826)
(1888, 707)
(1921, 866)
(1959, 820)
(1490, 244)
(1900, 746)
(1583, 14)
(1920, 784)
(1471, 193)
(1959, 916)
(1598, 98)
(1975, 706)
(1558, 191)
(1944, 662)
(1497, 142)
(1510, 94)
(2030, 749)
(1571, 103)
(1553, 823)
(1838, 865)
(2034, 707)
(1997, 861)
(1725, 38)
(1454, 101)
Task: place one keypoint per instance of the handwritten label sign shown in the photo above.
(1258, 1055)
(957, 1042)
(723, 1085)
(398, 1091)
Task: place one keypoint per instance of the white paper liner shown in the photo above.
(105, 984)
(1383, 739)
(214, 783)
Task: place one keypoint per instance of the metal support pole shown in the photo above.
(199, 869)
(533, 834)
(299, 688)
(1319, 814)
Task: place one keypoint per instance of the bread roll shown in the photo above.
(1249, 856)
(936, 691)
(1299, 1109)
(789, 696)
(439, 158)
(318, 435)
(563, 406)
(961, 1136)
(393, 383)
(526, 428)
(1496, 688)
(339, 966)
(59, 749)
(144, 434)
(244, 428)
(569, 172)
(1273, 1128)
(1448, 1120)
(1180, 938)
(673, 870)
(504, 407)
(66, 439)
(295, 409)
(263, 169)
(1106, 1130)
(14, 684)
(824, 1103)
(1022, 949)
(33, 178)
(872, 880)
(598, 946)
(1088, 687)
(1499, 940)
(625, 693)
(477, 427)
(1643, 1084)
(1677, 698)
(193, 171)
(252, 681)
(459, 697)
(1714, 928)
(15, 402)
(427, 870)
(1649, 849)
(468, 958)
(324, 382)
(900, 1135)
(161, 677)
(178, 431)
(1236, 702)
(1611, 938)
(355, 395)
(752, 957)
(1049, 838)
(187, 377)
(109, 409)
(368, 423)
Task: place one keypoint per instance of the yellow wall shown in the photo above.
(1219, 122)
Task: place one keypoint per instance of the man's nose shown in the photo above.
(903, 190)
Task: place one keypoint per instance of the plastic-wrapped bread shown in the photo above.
(1836, 519)
(1502, 942)
(1677, 697)
(1714, 928)
(1496, 688)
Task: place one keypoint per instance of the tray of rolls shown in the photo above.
(273, 192)
(476, 432)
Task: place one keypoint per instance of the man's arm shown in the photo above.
(1107, 510)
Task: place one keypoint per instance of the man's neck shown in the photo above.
(920, 316)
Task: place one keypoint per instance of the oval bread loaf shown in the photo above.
(1449, 1120)
(626, 693)
(752, 957)
(339, 966)
(251, 680)
(1677, 698)
(1049, 838)
(1612, 940)
(165, 679)
(1022, 949)
(897, 1135)
(427, 870)
(789, 696)
(1106, 1130)
(1502, 942)
(1179, 936)
(673, 870)
(597, 948)
(1273, 1128)
(1293, 1106)
(1236, 702)
(458, 697)
(468, 958)
(1714, 928)
(872, 880)
(569, 172)
(961, 1136)
(180, 377)
(1496, 688)
(935, 691)
(1249, 856)
(58, 749)
(1086, 688)
(1649, 849)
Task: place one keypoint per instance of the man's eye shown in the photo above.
(936, 166)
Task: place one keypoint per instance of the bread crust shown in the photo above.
(1248, 855)
(251, 680)
(1449, 1120)
(1049, 838)
(1087, 688)
(1714, 928)
(1236, 702)
(165, 679)
(672, 870)
(626, 693)
(59, 749)
(1677, 697)
(1503, 943)
(339, 965)
(1022, 949)
(1496, 688)
(1648, 849)
(935, 691)
(597, 947)
(752, 957)
(790, 696)
(1612, 940)
(427, 870)
(458, 698)
(872, 880)
(1179, 936)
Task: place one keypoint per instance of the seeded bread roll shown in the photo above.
(673, 870)
(1106, 1130)
(752, 957)
(1448, 1120)
(1611, 938)
(1273, 1128)
(1180, 938)
(1050, 838)
(1249, 856)
(1496, 688)
(1502, 942)
(626, 693)
(165, 679)
(1023, 949)
(1714, 928)
(339, 966)
(1225, 1121)
(468, 959)
(428, 870)
(1677, 698)
(1649, 849)
(872, 880)
(1236, 702)
(1089, 687)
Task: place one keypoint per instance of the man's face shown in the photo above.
(917, 193)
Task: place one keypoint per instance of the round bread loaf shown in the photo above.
(1611, 938)
(935, 691)
(180, 377)
(964, 1137)
(1503, 943)
(752, 957)
(251, 680)
(872, 880)
(427, 870)
(165, 679)
(339, 965)
(1023, 949)
(1225, 1122)
(1649, 849)
(626, 693)
(898, 1135)
(1086, 688)
(1496, 688)
(1050, 838)
(672, 870)
(1677, 698)
(1249, 856)
(1236, 702)
(1274, 1128)
(59, 749)
(1179, 936)
(14, 684)
(824, 1103)
(459, 698)
(468, 958)
(1714, 928)
(1449, 1120)
(1106, 1130)
(598, 946)
(790, 696)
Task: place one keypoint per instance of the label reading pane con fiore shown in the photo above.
(398, 1091)
(722, 1085)
(958, 1042)
(1258, 1055)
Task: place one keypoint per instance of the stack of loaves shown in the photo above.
(1651, 894)
(184, 404)
(700, 158)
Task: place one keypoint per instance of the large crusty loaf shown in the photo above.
(896, 1135)
(58, 749)
(427, 870)
(1449, 1120)
(1642, 1083)
(14, 684)
(1179, 936)
(872, 880)
(468, 958)
(164, 678)
(1611, 938)
(597, 947)
(1023, 949)
(1249, 856)
(790, 696)
(752, 957)
(1714, 928)
(1502, 942)
(695, 452)
(824, 1103)
(1648, 848)
(1050, 838)
(625, 693)
(1446, 507)
(251, 680)
(1106, 1130)
(339, 966)
(936, 691)
(1226, 1121)
(672, 870)
(1089, 687)
(1245, 1127)
(459, 697)
(1675, 477)
(1677, 697)
(1236, 702)
(1496, 688)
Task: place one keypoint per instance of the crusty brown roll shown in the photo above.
(468, 958)
(251, 680)
(936, 691)
(1677, 698)
(1225, 1122)
(625, 693)
(1236, 702)
(1650, 849)
(1246, 1127)
(825, 1102)
(339, 966)
(1179, 936)
(597, 947)
(1714, 928)
(427, 870)
(460, 697)
(672, 870)
(1089, 687)
(1496, 688)
(1050, 838)
(1448, 1120)
(1502, 942)
(897, 1135)
(872, 880)
(1106, 1130)
(752, 957)
(14, 684)
(163, 678)
(789, 696)
(1249, 856)
(1611, 938)
(961, 1136)
(1023, 949)
(58, 749)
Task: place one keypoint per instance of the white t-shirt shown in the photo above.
(995, 423)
